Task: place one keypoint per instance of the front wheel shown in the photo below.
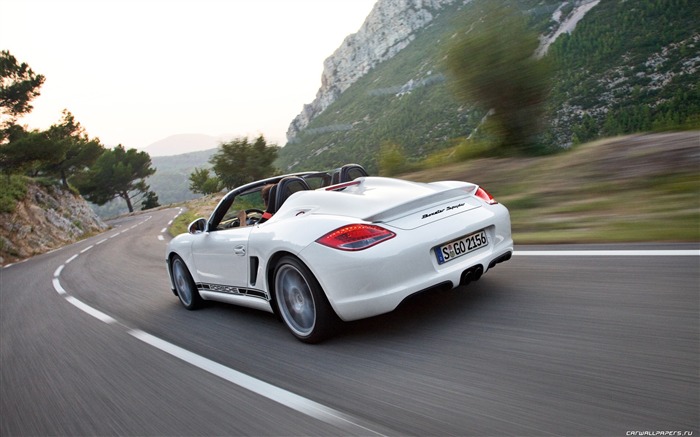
(184, 285)
(301, 302)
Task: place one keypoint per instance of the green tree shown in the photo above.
(493, 65)
(201, 182)
(116, 173)
(76, 152)
(239, 162)
(150, 201)
(19, 85)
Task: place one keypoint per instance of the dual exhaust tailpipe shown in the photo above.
(474, 273)
(471, 274)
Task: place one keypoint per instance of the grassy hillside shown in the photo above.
(643, 188)
(627, 67)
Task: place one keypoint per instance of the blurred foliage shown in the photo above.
(392, 160)
(492, 64)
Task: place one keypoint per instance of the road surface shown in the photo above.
(588, 340)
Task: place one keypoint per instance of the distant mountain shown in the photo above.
(620, 67)
(182, 143)
(171, 181)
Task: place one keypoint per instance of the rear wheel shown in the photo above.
(301, 302)
(184, 285)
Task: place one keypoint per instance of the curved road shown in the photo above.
(553, 342)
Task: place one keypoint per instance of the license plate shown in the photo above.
(454, 249)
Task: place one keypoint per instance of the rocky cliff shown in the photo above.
(47, 218)
(389, 28)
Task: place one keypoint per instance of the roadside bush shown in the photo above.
(12, 192)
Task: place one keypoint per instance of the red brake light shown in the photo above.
(486, 197)
(355, 237)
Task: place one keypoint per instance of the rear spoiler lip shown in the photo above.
(338, 187)
(422, 203)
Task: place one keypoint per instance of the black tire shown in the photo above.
(301, 302)
(184, 285)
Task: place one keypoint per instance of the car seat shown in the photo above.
(281, 192)
(288, 186)
(271, 205)
(347, 173)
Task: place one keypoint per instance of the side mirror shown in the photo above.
(197, 226)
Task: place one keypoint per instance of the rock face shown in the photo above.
(47, 218)
(388, 29)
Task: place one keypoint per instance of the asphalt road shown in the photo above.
(94, 343)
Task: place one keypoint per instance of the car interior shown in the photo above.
(251, 201)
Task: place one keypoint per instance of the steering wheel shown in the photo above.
(253, 220)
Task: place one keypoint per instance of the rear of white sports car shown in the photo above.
(385, 239)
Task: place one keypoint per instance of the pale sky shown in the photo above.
(134, 72)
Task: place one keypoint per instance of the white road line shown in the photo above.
(71, 258)
(100, 242)
(90, 310)
(58, 271)
(58, 288)
(607, 252)
(163, 230)
(161, 238)
(170, 222)
(284, 397)
(86, 249)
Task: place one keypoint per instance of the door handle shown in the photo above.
(239, 250)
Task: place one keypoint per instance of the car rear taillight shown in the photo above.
(356, 237)
(486, 197)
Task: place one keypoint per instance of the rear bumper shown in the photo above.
(376, 280)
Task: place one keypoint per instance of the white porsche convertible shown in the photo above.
(336, 245)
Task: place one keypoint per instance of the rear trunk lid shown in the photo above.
(403, 204)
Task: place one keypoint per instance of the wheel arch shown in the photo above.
(325, 316)
(270, 276)
(170, 259)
